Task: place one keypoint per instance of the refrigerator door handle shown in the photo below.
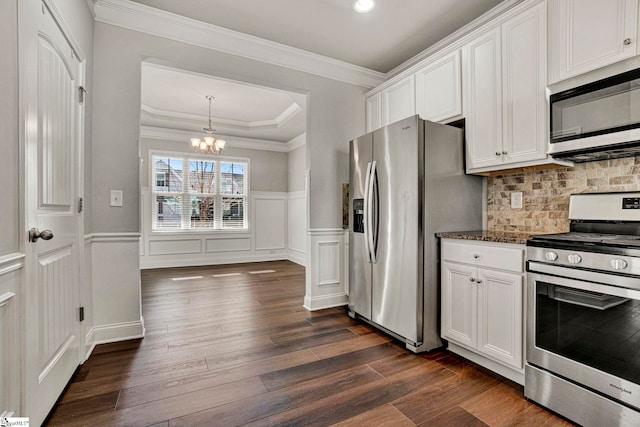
(369, 225)
(367, 195)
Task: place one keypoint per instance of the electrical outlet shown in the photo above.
(116, 198)
(516, 200)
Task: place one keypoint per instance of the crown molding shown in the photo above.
(92, 8)
(149, 20)
(296, 142)
(275, 123)
(153, 132)
(454, 37)
(452, 42)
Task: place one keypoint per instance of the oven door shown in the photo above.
(586, 332)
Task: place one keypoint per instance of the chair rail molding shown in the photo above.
(11, 262)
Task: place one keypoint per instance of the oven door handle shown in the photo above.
(558, 273)
(584, 286)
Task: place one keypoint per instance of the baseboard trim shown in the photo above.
(325, 301)
(105, 334)
(89, 343)
(298, 257)
(511, 373)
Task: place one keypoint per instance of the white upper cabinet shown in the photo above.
(505, 103)
(483, 100)
(373, 111)
(438, 89)
(524, 72)
(399, 101)
(588, 34)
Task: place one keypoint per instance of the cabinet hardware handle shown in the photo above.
(479, 281)
(626, 42)
(504, 152)
(476, 256)
(471, 279)
(498, 153)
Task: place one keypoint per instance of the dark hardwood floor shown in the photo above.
(239, 349)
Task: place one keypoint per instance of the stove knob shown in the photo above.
(574, 259)
(551, 256)
(618, 264)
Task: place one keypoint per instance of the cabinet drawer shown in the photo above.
(484, 255)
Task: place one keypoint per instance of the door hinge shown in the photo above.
(81, 93)
(80, 205)
(81, 313)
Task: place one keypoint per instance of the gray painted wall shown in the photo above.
(267, 170)
(335, 115)
(296, 159)
(9, 172)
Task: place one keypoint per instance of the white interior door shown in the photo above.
(52, 175)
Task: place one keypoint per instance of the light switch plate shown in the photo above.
(116, 198)
(516, 200)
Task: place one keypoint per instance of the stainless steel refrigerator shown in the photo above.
(407, 183)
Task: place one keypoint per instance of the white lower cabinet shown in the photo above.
(482, 303)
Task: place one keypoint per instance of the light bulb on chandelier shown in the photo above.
(209, 144)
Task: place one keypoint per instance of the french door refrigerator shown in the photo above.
(407, 183)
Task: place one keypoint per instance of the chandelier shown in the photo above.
(208, 144)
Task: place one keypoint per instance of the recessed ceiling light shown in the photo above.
(364, 6)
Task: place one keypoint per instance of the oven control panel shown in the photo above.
(627, 265)
(631, 203)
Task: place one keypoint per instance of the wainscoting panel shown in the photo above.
(270, 219)
(175, 246)
(266, 239)
(116, 287)
(297, 227)
(328, 254)
(11, 276)
(324, 281)
(230, 244)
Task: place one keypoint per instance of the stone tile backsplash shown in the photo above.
(546, 193)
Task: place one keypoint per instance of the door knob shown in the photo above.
(35, 234)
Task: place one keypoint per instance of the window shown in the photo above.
(199, 193)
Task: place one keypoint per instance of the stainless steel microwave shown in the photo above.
(598, 120)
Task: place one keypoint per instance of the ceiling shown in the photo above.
(394, 32)
(175, 99)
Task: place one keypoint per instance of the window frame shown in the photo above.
(218, 196)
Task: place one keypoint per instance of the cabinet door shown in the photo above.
(500, 308)
(459, 307)
(373, 111)
(524, 71)
(438, 89)
(399, 101)
(483, 100)
(589, 34)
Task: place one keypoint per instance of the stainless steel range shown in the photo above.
(583, 313)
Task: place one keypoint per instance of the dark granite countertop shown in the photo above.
(488, 236)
